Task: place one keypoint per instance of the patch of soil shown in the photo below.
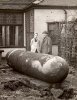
(15, 86)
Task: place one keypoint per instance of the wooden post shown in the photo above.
(65, 33)
(7, 36)
(24, 31)
(3, 35)
(16, 36)
(1, 55)
(65, 23)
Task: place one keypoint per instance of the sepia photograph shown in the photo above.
(38, 49)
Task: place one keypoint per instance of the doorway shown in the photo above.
(54, 33)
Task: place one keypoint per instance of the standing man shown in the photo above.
(35, 44)
(46, 46)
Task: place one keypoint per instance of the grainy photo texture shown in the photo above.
(38, 49)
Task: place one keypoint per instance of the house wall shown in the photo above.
(36, 21)
(44, 16)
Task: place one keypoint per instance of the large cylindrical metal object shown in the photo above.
(46, 67)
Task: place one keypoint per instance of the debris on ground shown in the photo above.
(15, 86)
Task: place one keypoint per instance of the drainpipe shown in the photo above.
(65, 32)
(65, 22)
(24, 31)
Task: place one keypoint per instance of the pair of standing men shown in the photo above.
(44, 47)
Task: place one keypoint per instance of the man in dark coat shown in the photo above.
(46, 46)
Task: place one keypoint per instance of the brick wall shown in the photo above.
(29, 27)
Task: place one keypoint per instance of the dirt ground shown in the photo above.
(15, 86)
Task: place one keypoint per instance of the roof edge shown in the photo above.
(36, 6)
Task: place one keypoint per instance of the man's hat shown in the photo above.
(45, 32)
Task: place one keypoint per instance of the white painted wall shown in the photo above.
(42, 16)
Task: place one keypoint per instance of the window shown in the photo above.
(0, 35)
(11, 36)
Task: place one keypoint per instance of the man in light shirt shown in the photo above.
(35, 44)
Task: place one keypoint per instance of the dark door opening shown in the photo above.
(54, 33)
